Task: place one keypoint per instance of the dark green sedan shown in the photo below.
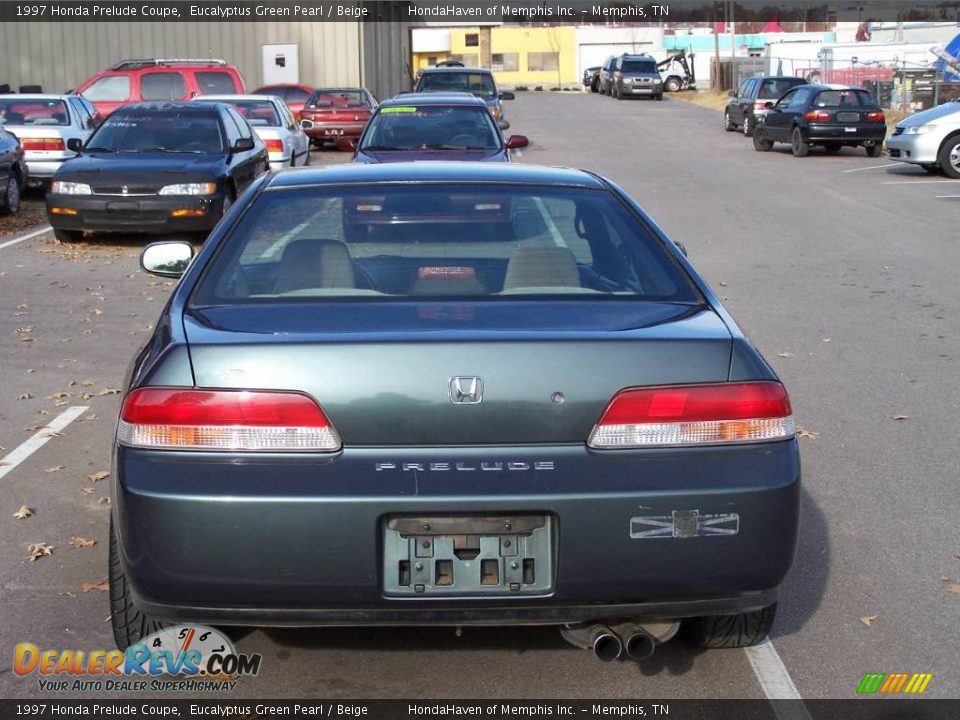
(450, 394)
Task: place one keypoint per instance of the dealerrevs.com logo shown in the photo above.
(187, 658)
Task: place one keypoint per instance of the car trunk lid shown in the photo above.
(403, 373)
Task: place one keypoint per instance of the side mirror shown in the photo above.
(732, 93)
(75, 145)
(306, 124)
(244, 144)
(515, 142)
(347, 144)
(504, 124)
(166, 259)
(507, 96)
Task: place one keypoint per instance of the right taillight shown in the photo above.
(876, 116)
(225, 420)
(677, 415)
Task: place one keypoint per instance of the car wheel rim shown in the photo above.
(746, 125)
(13, 195)
(955, 157)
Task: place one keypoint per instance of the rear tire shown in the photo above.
(11, 200)
(672, 85)
(760, 143)
(130, 625)
(949, 157)
(800, 147)
(875, 150)
(728, 123)
(730, 631)
(68, 236)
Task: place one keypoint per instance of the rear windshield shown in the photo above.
(259, 113)
(398, 242)
(844, 98)
(773, 89)
(338, 99)
(216, 83)
(472, 82)
(639, 66)
(412, 127)
(174, 131)
(33, 112)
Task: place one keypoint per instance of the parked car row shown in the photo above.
(623, 76)
(788, 110)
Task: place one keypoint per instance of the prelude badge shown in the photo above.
(684, 524)
(466, 390)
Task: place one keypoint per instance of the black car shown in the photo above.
(156, 168)
(831, 116)
(605, 78)
(13, 172)
(749, 102)
(467, 394)
(591, 78)
(636, 75)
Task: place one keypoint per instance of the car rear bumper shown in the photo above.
(331, 131)
(874, 132)
(300, 540)
(146, 214)
(921, 149)
(43, 170)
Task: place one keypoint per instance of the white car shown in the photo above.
(930, 139)
(45, 125)
(287, 143)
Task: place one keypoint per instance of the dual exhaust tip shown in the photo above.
(629, 641)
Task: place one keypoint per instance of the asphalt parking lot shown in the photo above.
(841, 268)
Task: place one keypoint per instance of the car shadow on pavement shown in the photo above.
(806, 583)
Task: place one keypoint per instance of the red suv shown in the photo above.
(159, 80)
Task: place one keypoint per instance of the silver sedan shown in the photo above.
(47, 126)
(275, 124)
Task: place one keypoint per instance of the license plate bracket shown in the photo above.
(468, 555)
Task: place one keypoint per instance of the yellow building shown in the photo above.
(531, 56)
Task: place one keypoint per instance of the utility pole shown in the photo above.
(733, 47)
(715, 75)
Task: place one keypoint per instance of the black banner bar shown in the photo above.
(480, 11)
(226, 709)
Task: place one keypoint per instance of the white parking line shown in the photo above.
(776, 681)
(941, 197)
(40, 438)
(41, 231)
(914, 182)
(875, 167)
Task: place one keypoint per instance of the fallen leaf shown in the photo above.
(109, 391)
(24, 329)
(33, 428)
(901, 417)
(55, 468)
(103, 501)
(57, 395)
(867, 619)
(26, 339)
(101, 586)
(81, 542)
(87, 491)
(88, 383)
(723, 284)
(98, 475)
(804, 433)
(35, 551)
(24, 396)
(23, 513)
(827, 339)
(954, 588)
(785, 354)
(91, 416)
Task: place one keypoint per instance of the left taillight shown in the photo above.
(274, 146)
(817, 116)
(41, 143)
(225, 420)
(681, 415)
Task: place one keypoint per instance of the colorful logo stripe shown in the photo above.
(894, 683)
